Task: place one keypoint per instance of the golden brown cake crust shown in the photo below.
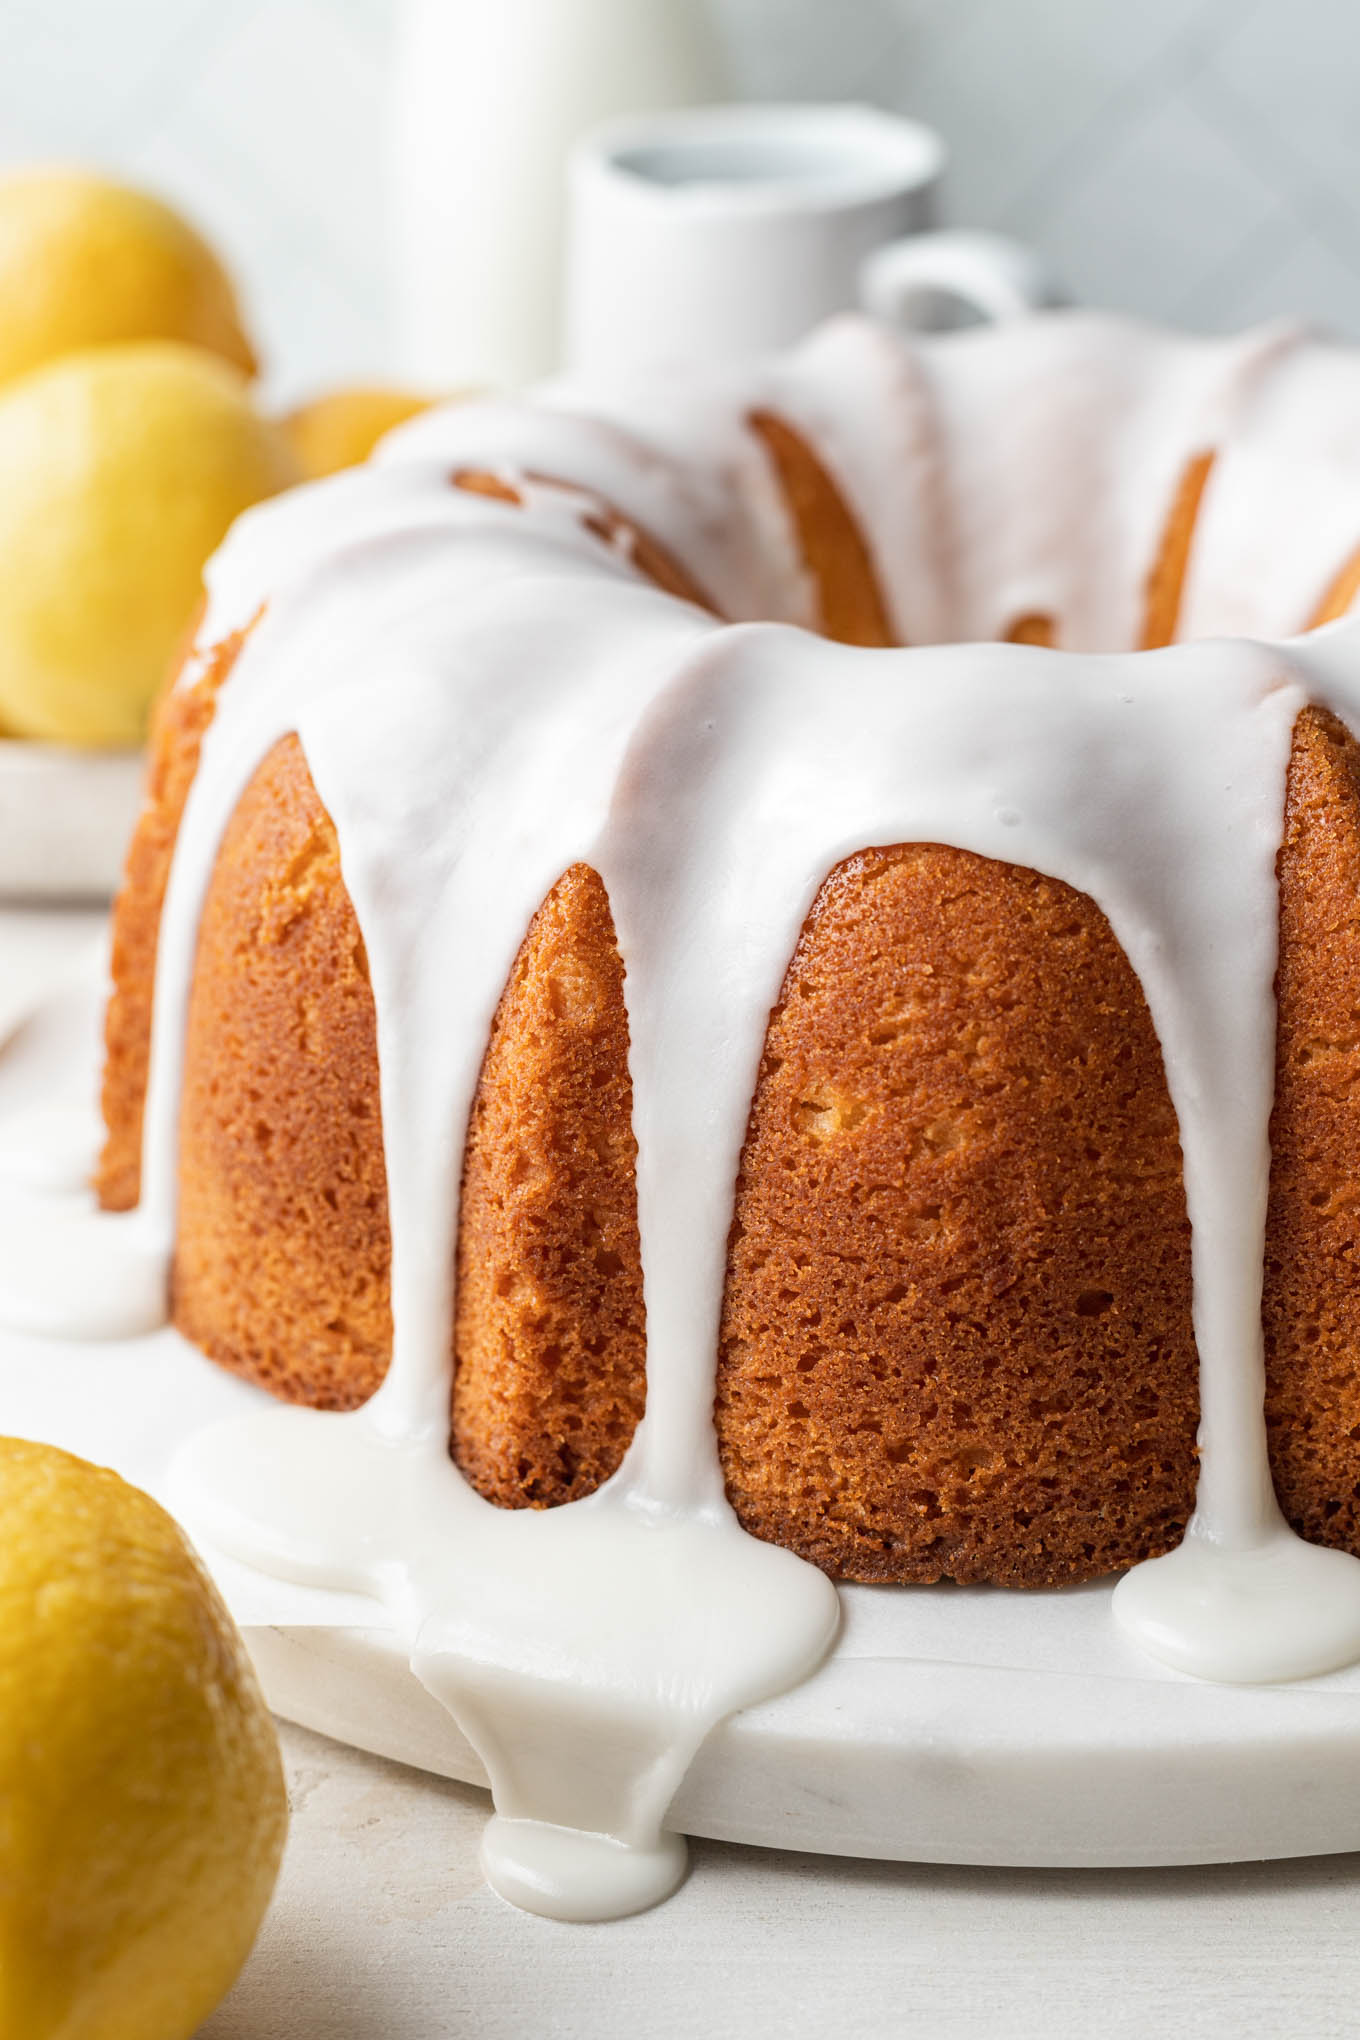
(550, 1361)
(282, 1267)
(282, 1255)
(1339, 594)
(1033, 628)
(1312, 1289)
(850, 602)
(1166, 581)
(648, 555)
(956, 1341)
(178, 727)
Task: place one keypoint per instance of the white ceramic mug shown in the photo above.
(718, 232)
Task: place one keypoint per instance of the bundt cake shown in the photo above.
(956, 1336)
(640, 907)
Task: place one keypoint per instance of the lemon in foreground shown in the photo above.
(142, 1804)
(120, 471)
(85, 262)
(341, 429)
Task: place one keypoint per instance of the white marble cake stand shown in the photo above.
(949, 1725)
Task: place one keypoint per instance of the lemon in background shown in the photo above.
(85, 262)
(142, 1802)
(342, 428)
(120, 471)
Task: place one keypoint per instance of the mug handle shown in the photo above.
(995, 277)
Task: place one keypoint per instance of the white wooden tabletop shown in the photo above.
(382, 1929)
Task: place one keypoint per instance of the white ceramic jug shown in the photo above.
(715, 233)
(489, 97)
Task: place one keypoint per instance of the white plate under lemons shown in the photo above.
(65, 819)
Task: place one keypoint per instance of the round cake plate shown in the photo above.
(949, 1725)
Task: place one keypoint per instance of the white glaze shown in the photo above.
(539, 705)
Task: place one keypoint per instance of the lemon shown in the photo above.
(342, 429)
(142, 1803)
(120, 471)
(85, 262)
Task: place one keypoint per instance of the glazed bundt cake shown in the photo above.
(957, 1333)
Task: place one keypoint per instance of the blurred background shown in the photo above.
(1195, 160)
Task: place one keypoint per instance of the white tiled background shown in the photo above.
(1194, 159)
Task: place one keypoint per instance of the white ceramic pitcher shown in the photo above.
(704, 235)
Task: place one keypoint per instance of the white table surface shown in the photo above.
(381, 1928)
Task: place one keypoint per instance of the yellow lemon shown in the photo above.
(142, 1802)
(85, 262)
(120, 471)
(340, 430)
